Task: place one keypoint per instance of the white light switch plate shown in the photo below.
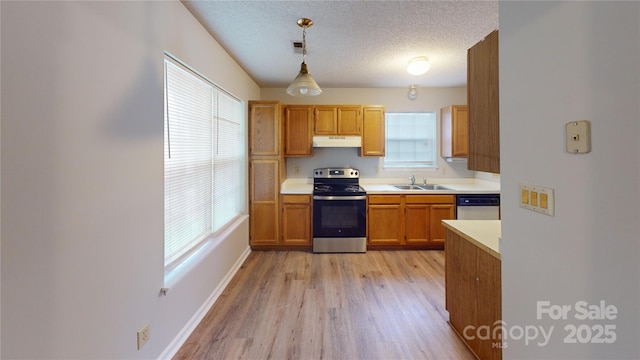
(578, 137)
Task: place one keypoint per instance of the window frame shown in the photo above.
(232, 113)
(433, 141)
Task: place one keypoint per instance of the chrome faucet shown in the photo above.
(412, 178)
(424, 181)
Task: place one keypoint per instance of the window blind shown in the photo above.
(202, 161)
(410, 140)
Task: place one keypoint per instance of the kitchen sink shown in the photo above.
(434, 187)
(421, 187)
(408, 187)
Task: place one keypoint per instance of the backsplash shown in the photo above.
(371, 167)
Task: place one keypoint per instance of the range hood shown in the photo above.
(337, 141)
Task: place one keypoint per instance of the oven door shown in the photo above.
(339, 216)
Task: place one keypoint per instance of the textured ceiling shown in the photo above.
(351, 43)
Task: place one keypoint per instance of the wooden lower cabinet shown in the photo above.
(385, 220)
(473, 294)
(439, 212)
(296, 220)
(408, 221)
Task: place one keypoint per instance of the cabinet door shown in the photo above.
(263, 217)
(416, 224)
(325, 120)
(461, 284)
(460, 136)
(385, 222)
(483, 101)
(385, 225)
(298, 131)
(454, 131)
(439, 212)
(296, 220)
(489, 292)
(349, 120)
(264, 128)
(373, 129)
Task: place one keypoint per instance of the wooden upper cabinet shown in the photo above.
(454, 131)
(264, 128)
(337, 120)
(373, 128)
(484, 107)
(325, 120)
(298, 130)
(349, 120)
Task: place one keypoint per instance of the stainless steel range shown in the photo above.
(339, 211)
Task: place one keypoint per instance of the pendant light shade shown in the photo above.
(303, 84)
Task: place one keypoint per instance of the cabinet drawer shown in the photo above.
(296, 199)
(430, 199)
(385, 199)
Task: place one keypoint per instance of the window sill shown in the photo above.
(173, 275)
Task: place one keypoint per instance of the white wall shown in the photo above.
(559, 62)
(82, 177)
(394, 100)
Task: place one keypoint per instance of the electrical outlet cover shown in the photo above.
(143, 336)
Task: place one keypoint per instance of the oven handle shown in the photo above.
(355, 197)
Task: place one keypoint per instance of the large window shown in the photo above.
(203, 161)
(411, 140)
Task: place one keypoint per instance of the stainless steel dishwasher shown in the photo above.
(478, 206)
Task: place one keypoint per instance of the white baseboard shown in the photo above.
(183, 335)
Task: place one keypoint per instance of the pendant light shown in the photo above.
(303, 84)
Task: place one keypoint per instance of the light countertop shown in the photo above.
(297, 186)
(384, 186)
(483, 233)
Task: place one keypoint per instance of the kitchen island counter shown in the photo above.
(485, 234)
(473, 284)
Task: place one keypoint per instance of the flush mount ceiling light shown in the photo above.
(303, 84)
(418, 66)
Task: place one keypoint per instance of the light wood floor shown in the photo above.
(299, 305)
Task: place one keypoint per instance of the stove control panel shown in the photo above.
(344, 173)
